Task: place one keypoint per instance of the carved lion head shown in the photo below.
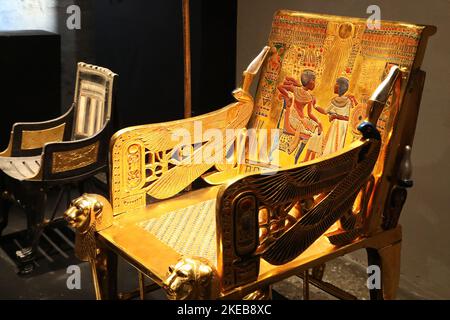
(82, 212)
(191, 278)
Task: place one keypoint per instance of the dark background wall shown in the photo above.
(30, 82)
(142, 41)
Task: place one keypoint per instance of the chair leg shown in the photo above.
(35, 226)
(141, 278)
(306, 284)
(388, 260)
(104, 275)
(5, 206)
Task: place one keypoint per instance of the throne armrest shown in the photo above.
(75, 159)
(28, 138)
(160, 160)
(262, 215)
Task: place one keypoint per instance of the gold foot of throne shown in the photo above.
(264, 218)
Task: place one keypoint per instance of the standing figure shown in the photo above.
(314, 146)
(338, 114)
(275, 61)
(295, 121)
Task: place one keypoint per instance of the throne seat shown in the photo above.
(162, 227)
(163, 232)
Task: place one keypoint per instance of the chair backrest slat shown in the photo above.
(93, 100)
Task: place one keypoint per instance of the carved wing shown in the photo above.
(307, 180)
(322, 216)
(341, 175)
(187, 170)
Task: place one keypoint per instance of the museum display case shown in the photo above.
(318, 166)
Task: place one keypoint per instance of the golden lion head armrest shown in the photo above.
(160, 160)
(192, 278)
(89, 214)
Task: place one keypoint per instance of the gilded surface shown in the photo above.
(75, 159)
(37, 139)
(191, 278)
(191, 231)
(295, 206)
(277, 217)
(146, 161)
(88, 214)
(157, 161)
(318, 79)
(287, 225)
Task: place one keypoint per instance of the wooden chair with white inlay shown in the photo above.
(57, 155)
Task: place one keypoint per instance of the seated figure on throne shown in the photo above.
(338, 114)
(296, 97)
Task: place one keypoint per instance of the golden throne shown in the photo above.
(322, 184)
(57, 155)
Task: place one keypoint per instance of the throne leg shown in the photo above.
(388, 260)
(104, 274)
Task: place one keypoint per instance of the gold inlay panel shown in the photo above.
(75, 159)
(37, 139)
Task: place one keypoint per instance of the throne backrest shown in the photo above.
(93, 100)
(347, 58)
(336, 64)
